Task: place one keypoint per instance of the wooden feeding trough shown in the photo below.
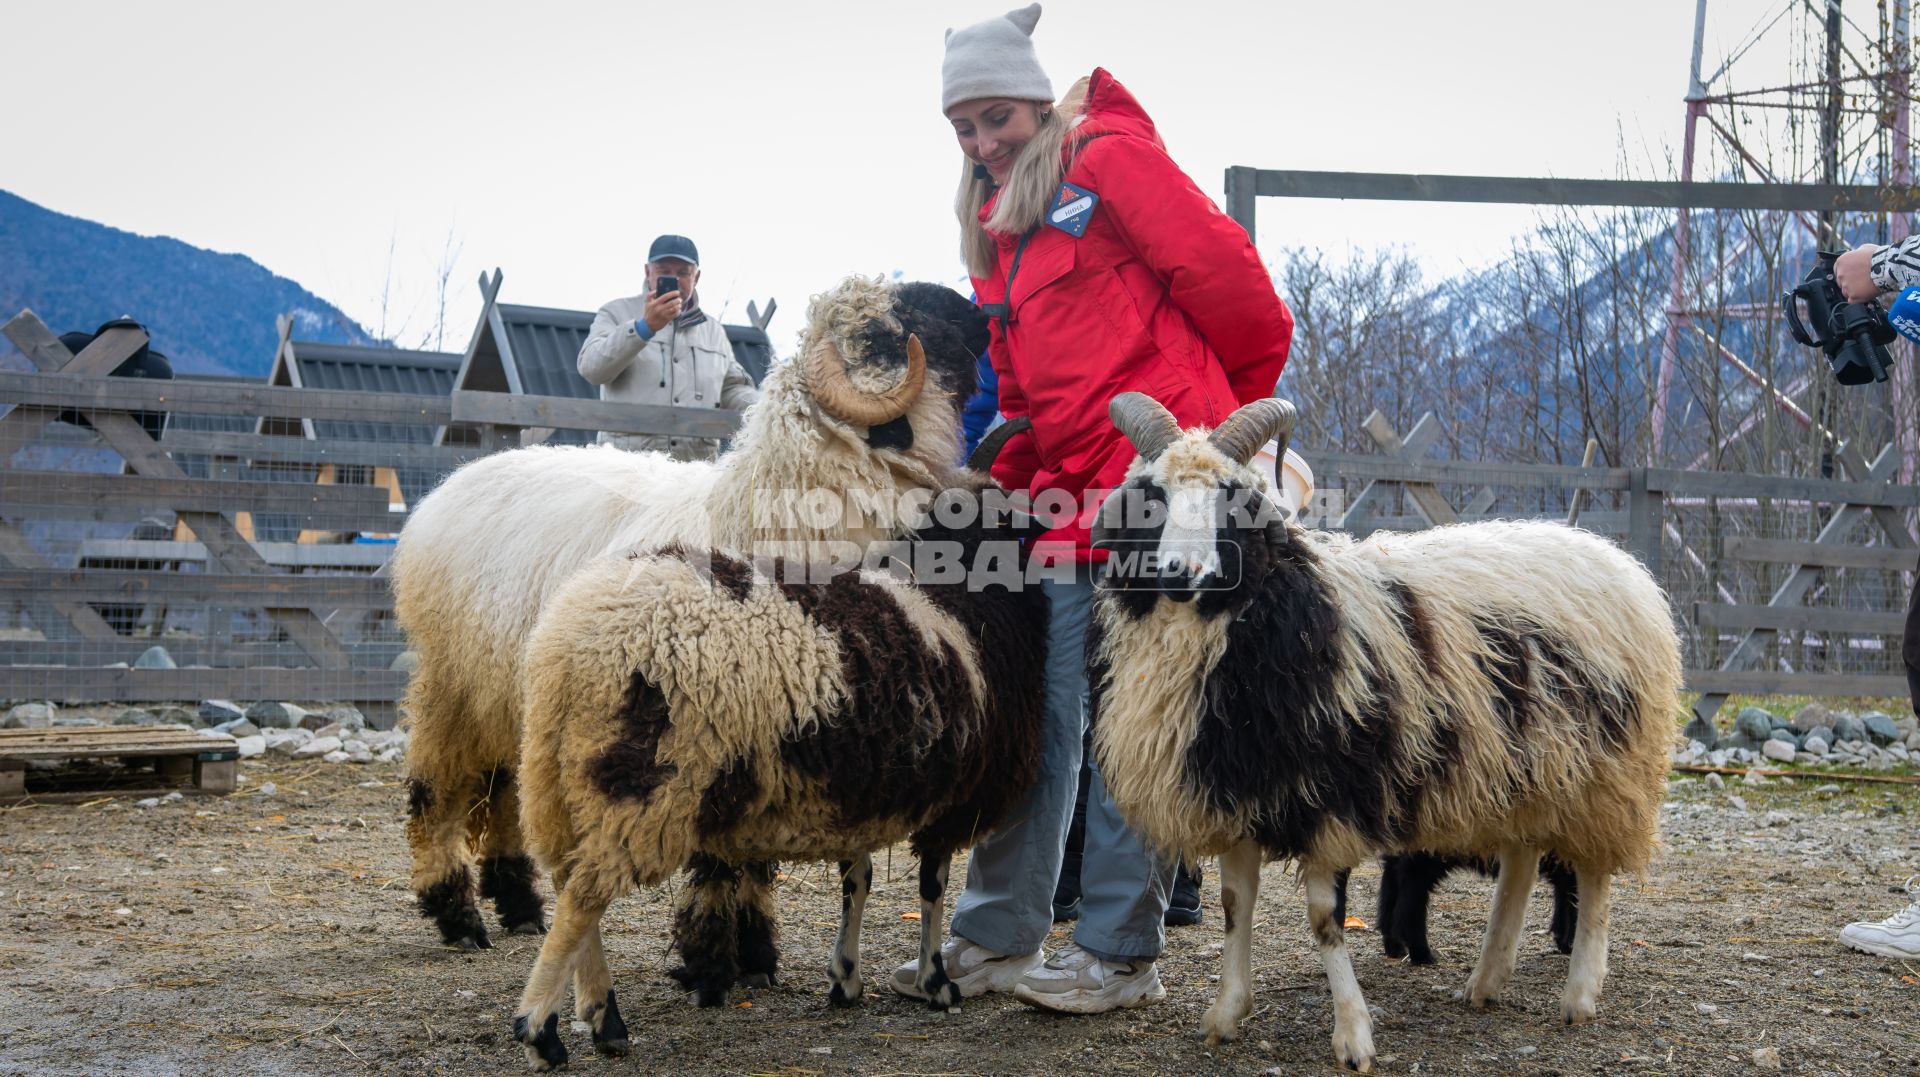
(114, 761)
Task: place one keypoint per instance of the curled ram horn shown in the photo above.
(837, 395)
(1252, 426)
(1148, 425)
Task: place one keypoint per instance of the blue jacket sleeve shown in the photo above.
(983, 405)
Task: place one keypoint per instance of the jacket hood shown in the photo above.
(1109, 109)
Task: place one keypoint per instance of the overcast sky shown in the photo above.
(796, 142)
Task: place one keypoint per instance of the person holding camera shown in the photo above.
(658, 347)
(1865, 274)
(1102, 268)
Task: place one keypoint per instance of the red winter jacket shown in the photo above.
(1163, 293)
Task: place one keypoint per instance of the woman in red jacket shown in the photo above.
(1104, 270)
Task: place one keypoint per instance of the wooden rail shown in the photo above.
(321, 620)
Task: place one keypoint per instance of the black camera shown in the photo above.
(1854, 335)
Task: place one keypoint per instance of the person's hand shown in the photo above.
(1853, 271)
(662, 309)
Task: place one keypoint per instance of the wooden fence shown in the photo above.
(1781, 584)
(322, 610)
(1741, 590)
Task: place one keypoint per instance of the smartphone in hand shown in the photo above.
(665, 284)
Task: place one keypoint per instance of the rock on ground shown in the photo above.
(30, 716)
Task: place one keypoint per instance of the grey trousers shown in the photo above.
(1007, 905)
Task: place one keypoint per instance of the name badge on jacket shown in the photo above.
(1072, 209)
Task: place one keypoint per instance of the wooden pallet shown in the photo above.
(114, 761)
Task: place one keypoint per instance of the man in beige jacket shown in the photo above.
(658, 347)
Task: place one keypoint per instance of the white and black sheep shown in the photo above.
(693, 706)
(846, 422)
(1487, 690)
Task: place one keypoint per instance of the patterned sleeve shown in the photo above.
(1897, 267)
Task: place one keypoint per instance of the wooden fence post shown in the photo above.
(1643, 521)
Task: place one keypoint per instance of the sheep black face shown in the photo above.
(872, 363)
(1191, 523)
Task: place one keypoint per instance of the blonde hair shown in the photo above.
(1028, 192)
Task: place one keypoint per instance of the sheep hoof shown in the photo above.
(945, 997)
(1222, 1028)
(1476, 1001)
(527, 927)
(757, 979)
(703, 997)
(1354, 1050)
(610, 1032)
(477, 941)
(544, 1049)
(845, 994)
(1578, 1013)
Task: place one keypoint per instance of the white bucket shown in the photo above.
(1296, 478)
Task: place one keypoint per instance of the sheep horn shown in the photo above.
(1247, 429)
(837, 395)
(1144, 422)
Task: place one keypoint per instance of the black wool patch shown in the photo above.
(449, 904)
(724, 803)
(895, 434)
(1606, 705)
(631, 769)
(509, 882)
(1510, 673)
(419, 798)
(759, 942)
(732, 574)
(1416, 623)
(952, 333)
(1270, 733)
(910, 741)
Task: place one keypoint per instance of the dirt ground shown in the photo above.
(273, 934)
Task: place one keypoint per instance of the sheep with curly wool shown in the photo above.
(1485, 690)
(697, 706)
(821, 467)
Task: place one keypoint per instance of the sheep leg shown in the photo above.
(1588, 969)
(536, 1024)
(706, 930)
(1239, 889)
(1417, 878)
(758, 924)
(1501, 944)
(931, 977)
(593, 996)
(437, 835)
(1566, 901)
(856, 881)
(506, 871)
(1352, 1025)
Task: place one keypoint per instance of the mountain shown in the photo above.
(209, 313)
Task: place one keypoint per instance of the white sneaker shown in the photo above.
(1898, 936)
(1075, 981)
(972, 967)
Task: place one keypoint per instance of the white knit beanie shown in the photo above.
(994, 59)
